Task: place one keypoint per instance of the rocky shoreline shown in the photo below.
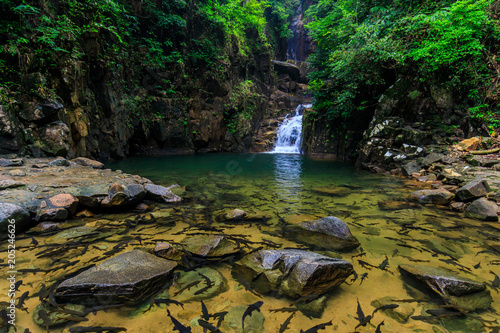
(39, 191)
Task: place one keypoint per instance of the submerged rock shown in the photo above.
(314, 308)
(473, 190)
(337, 191)
(209, 245)
(482, 209)
(329, 233)
(437, 197)
(161, 192)
(60, 315)
(401, 314)
(235, 214)
(254, 323)
(453, 289)
(293, 273)
(130, 277)
(216, 285)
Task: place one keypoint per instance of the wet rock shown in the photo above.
(235, 214)
(59, 162)
(429, 178)
(458, 206)
(166, 250)
(71, 233)
(437, 197)
(57, 208)
(469, 144)
(293, 273)
(209, 245)
(84, 213)
(161, 193)
(401, 314)
(5, 184)
(58, 316)
(88, 162)
(482, 209)
(26, 199)
(4, 162)
(123, 195)
(410, 168)
(45, 226)
(232, 321)
(9, 212)
(89, 196)
(473, 190)
(314, 308)
(441, 281)
(432, 158)
(217, 284)
(329, 232)
(129, 277)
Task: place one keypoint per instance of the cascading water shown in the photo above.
(288, 138)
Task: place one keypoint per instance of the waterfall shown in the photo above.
(288, 140)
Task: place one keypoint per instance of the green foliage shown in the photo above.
(362, 46)
(242, 105)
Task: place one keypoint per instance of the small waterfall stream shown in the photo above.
(288, 140)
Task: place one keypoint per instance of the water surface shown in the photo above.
(291, 188)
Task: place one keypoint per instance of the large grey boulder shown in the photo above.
(57, 208)
(482, 209)
(437, 197)
(55, 139)
(292, 273)
(130, 277)
(410, 168)
(83, 161)
(328, 232)
(473, 190)
(10, 212)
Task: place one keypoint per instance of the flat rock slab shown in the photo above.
(209, 245)
(482, 209)
(328, 232)
(443, 282)
(293, 273)
(437, 197)
(4, 184)
(88, 162)
(473, 190)
(161, 192)
(130, 277)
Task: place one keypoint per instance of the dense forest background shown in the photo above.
(112, 78)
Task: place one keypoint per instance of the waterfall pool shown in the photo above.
(285, 188)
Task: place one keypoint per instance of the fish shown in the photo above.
(396, 251)
(443, 313)
(316, 328)
(363, 320)
(96, 329)
(17, 285)
(177, 325)
(377, 330)
(248, 312)
(45, 318)
(384, 263)
(366, 265)
(363, 277)
(496, 281)
(285, 324)
(20, 302)
(284, 310)
(204, 311)
(385, 307)
(189, 286)
(208, 326)
(34, 242)
(247, 287)
(167, 301)
(3, 316)
(220, 316)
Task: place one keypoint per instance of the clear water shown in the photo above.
(296, 189)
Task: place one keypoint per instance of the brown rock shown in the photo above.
(438, 197)
(88, 162)
(469, 144)
(66, 201)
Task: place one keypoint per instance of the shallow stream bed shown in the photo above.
(280, 189)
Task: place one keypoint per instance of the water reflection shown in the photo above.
(288, 176)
